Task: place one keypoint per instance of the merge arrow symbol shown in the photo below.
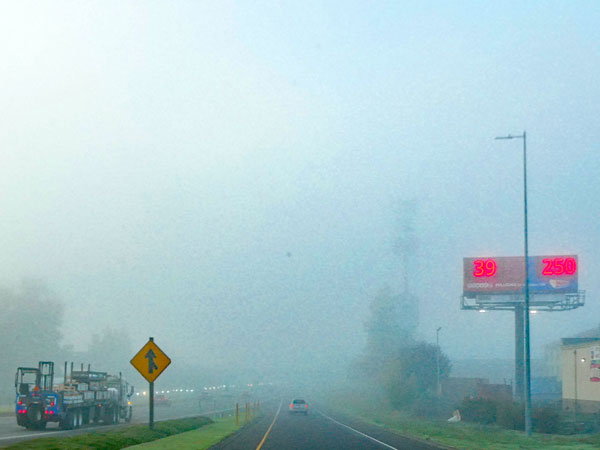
(151, 364)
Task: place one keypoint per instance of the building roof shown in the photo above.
(579, 340)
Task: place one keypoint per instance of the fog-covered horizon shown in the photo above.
(231, 178)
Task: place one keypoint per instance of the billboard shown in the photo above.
(505, 275)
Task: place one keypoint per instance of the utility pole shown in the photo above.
(437, 341)
(527, 375)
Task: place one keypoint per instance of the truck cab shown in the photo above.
(34, 396)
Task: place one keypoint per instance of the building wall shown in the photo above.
(578, 375)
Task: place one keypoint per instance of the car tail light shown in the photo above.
(291, 406)
(306, 405)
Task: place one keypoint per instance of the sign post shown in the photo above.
(150, 362)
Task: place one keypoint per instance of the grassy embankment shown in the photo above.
(460, 435)
(200, 439)
(117, 438)
(7, 410)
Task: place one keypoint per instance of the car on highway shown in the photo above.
(298, 405)
(161, 400)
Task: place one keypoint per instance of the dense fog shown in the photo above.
(273, 191)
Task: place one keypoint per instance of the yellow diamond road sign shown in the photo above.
(150, 361)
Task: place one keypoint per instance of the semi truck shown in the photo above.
(83, 397)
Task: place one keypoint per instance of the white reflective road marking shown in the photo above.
(358, 432)
(28, 435)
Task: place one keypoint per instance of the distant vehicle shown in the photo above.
(83, 397)
(161, 400)
(298, 405)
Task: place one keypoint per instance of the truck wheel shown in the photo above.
(34, 418)
(67, 422)
(86, 416)
(108, 416)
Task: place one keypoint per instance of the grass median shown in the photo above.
(200, 439)
(461, 435)
(115, 439)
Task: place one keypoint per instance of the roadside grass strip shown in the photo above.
(201, 439)
(462, 435)
(472, 436)
(116, 439)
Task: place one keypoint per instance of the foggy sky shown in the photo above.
(226, 176)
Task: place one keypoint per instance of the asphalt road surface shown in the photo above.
(280, 430)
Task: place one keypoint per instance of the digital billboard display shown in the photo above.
(555, 274)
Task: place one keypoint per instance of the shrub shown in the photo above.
(510, 415)
(545, 419)
(432, 407)
(478, 410)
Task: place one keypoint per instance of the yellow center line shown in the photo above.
(270, 426)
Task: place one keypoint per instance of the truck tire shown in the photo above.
(69, 421)
(34, 418)
(86, 416)
(21, 420)
(109, 416)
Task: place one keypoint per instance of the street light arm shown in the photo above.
(510, 136)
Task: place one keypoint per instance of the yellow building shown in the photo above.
(581, 374)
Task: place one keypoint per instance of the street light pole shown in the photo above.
(527, 381)
(437, 341)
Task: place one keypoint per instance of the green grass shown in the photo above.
(7, 410)
(201, 439)
(460, 435)
(118, 438)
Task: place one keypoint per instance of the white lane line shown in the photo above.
(358, 432)
(29, 435)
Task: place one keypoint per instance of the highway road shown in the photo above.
(275, 430)
(280, 430)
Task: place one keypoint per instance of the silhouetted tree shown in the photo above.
(110, 351)
(30, 329)
(412, 373)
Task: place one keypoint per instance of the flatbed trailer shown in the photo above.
(85, 396)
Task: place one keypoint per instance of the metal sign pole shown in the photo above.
(151, 399)
(150, 362)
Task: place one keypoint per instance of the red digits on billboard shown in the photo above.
(570, 266)
(484, 268)
(559, 266)
(490, 267)
(548, 267)
(478, 271)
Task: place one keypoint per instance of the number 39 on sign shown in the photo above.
(484, 268)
